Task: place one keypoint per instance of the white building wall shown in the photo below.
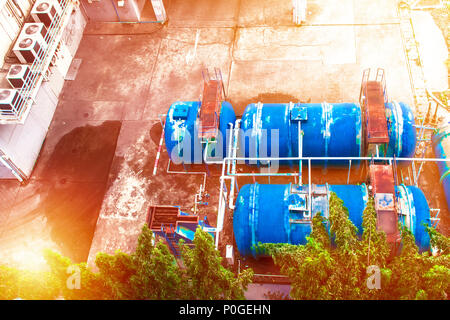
(21, 143)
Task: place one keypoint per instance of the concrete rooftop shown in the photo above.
(94, 173)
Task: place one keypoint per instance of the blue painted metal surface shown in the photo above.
(416, 213)
(402, 133)
(181, 132)
(182, 231)
(263, 213)
(329, 130)
(441, 145)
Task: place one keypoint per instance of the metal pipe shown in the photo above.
(424, 127)
(300, 151)
(6, 164)
(337, 158)
(235, 141)
(439, 102)
(221, 212)
(349, 168)
(309, 189)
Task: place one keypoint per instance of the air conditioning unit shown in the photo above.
(9, 99)
(37, 30)
(46, 11)
(27, 49)
(17, 75)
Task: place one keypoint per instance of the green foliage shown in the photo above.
(158, 275)
(28, 285)
(151, 272)
(440, 242)
(373, 241)
(338, 270)
(207, 278)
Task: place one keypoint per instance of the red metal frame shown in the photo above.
(377, 131)
(382, 182)
(209, 110)
(167, 216)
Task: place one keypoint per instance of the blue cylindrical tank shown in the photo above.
(329, 130)
(181, 132)
(265, 213)
(441, 145)
(402, 131)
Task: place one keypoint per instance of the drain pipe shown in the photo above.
(235, 140)
(222, 205)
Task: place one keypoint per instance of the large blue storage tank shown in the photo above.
(181, 132)
(441, 145)
(263, 213)
(329, 130)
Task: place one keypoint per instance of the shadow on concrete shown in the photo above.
(269, 97)
(75, 176)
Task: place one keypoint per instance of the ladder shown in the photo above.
(213, 94)
(168, 233)
(373, 98)
(413, 61)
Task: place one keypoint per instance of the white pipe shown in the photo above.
(309, 191)
(202, 186)
(220, 213)
(235, 140)
(336, 158)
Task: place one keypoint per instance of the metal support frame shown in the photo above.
(229, 173)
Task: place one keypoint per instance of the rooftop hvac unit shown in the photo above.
(37, 30)
(27, 48)
(17, 75)
(9, 98)
(31, 39)
(46, 11)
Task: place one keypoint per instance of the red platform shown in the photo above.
(376, 129)
(383, 190)
(209, 110)
(167, 216)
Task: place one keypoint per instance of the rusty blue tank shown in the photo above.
(181, 132)
(271, 213)
(327, 130)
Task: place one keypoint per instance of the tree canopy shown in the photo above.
(151, 272)
(339, 268)
(335, 263)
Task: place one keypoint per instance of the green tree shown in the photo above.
(151, 272)
(26, 284)
(157, 275)
(205, 278)
(321, 269)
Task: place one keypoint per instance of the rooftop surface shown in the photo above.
(93, 183)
